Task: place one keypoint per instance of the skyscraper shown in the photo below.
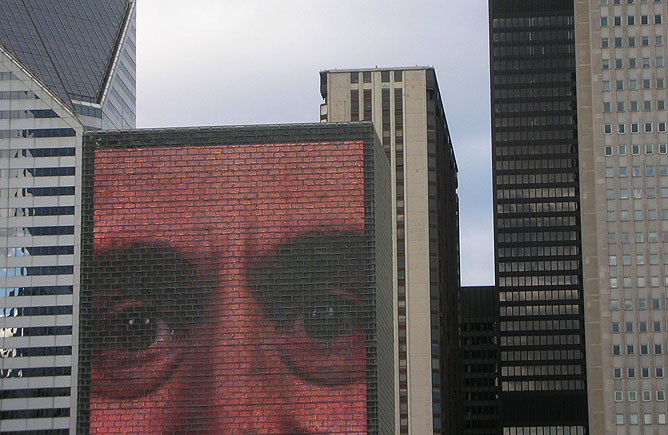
(624, 189)
(65, 67)
(406, 109)
(538, 234)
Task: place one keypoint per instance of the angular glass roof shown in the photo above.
(68, 44)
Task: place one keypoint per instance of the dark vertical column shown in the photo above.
(537, 223)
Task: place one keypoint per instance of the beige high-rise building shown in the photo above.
(620, 50)
(406, 109)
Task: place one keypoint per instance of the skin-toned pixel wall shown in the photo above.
(230, 288)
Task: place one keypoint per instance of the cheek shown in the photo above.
(158, 412)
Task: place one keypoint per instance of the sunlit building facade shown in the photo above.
(406, 108)
(65, 67)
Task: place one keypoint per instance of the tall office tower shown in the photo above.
(624, 187)
(65, 66)
(406, 109)
(479, 329)
(537, 217)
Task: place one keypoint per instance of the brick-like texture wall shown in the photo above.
(229, 281)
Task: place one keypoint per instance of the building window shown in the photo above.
(621, 128)
(605, 64)
(661, 395)
(648, 418)
(649, 148)
(633, 396)
(631, 20)
(659, 372)
(646, 395)
(616, 349)
(618, 42)
(644, 19)
(354, 77)
(660, 83)
(619, 419)
(632, 41)
(646, 83)
(620, 106)
(604, 21)
(366, 76)
(648, 127)
(604, 43)
(385, 76)
(633, 84)
(632, 63)
(619, 85)
(633, 418)
(606, 85)
(657, 19)
(619, 396)
(606, 107)
(645, 61)
(658, 40)
(607, 128)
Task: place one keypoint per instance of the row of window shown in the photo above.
(638, 215)
(634, 106)
(633, 62)
(631, 20)
(633, 84)
(6, 75)
(635, 128)
(627, 282)
(645, 394)
(640, 261)
(18, 95)
(639, 238)
(35, 311)
(642, 327)
(28, 114)
(632, 41)
(37, 133)
(636, 171)
(642, 304)
(609, 150)
(647, 418)
(35, 291)
(630, 2)
(631, 371)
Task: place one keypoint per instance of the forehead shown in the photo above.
(199, 195)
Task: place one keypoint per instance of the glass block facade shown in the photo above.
(537, 217)
(233, 281)
(55, 57)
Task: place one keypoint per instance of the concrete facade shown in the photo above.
(624, 185)
(405, 107)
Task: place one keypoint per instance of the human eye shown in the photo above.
(138, 350)
(314, 289)
(145, 301)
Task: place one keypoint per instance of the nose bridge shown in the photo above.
(241, 386)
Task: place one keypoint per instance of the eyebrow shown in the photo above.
(309, 268)
(151, 273)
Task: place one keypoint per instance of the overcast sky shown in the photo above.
(223, 62)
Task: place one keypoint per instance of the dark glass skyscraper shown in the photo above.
(537, 217)
(65, 66)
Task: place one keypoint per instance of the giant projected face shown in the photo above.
(230, 290)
